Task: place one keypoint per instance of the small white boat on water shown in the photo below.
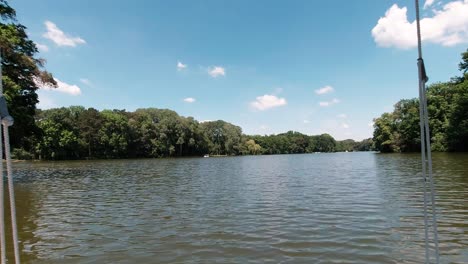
(206, 156)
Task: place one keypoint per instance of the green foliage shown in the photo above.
(21, 74)
(457, 130)
(252, 147)
(365, 145)
(385, 138)
(113, 134)
(224, 138)
(463, 66)
(345, 145)
(399, 131)
(294, 143)
(21, 154)
(78, 133)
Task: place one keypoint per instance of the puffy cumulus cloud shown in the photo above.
(216, 71)
(189, 100)
(324, 90)
(448, 26)
(59, 37)
(62, 87)
(345, 126)
(267, 101)
(329, 103)
(306, 121)
(181, 66)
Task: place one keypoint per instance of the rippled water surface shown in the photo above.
(315, 208)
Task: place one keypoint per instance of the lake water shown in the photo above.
(311, 208)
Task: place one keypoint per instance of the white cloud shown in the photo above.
(59, 37)
(45, 102)
(267, 101)
(324, 90)
(428, 3)
(371, 124)
(181, 66)
(62, 87)
(205, 121)
(344, 125)
(189, 100)
(329, 103)
(448, 27)
(306, 121)
(342, 116)
(86, 81)
(42, 47)
(216, 71)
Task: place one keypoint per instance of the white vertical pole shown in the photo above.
(6, 123)
(2, 195)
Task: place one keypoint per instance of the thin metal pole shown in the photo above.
(423, 163)
(11, 189)
(418, 28)
(431, 178)
(2, 188)
(426, 155)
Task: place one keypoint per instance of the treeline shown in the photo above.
(399, 131)
(78, 133)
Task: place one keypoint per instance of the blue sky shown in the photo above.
(267, 66)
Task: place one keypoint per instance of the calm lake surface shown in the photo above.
(311, 208)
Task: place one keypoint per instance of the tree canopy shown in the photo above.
(399, 130)
(22, 72)
(78, 133)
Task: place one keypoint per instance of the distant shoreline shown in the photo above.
(185, 157)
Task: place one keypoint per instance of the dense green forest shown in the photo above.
(399, 130)
(78, 133)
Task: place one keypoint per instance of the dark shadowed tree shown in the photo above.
(22, 72)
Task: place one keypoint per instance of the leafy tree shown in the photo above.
(252, 147)
(224, 138)
(22, 72)
(88, 123)
(364, 145)
(447, 110)
(457, 131)
(345, 145)
(114, 134)
(384, 134)
(325, 143)
(463, 66)
(405, 120)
